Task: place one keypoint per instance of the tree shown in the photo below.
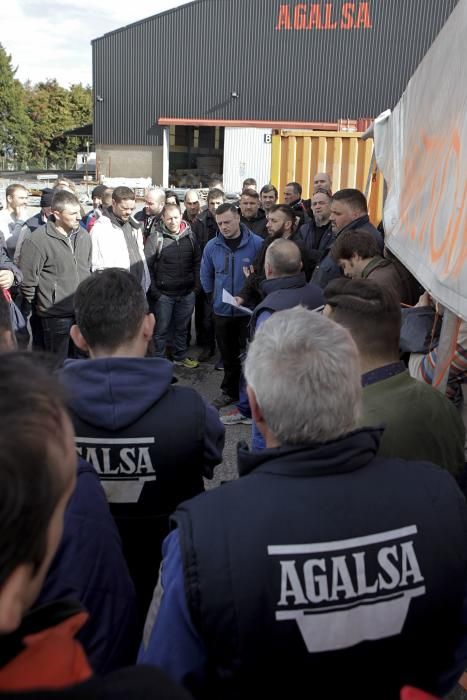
(54, 110)
(15, 126)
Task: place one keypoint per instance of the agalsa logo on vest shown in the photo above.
(124, 465)
(349, 591)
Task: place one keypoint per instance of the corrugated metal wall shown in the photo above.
(247, 153)
(298, 155)
(186, 63)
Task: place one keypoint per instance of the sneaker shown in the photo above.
(235, 418)
(188, 363)
(206, 354)
(223, 400)
(219, 366)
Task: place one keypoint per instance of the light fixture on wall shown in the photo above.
(234, 93)
(99, 98)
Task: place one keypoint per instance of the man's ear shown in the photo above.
(148, 325)
(256, 411)
(78, 338)
(13, 597)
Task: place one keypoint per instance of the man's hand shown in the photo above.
(6, 279)
(424, 300)
(239, 300)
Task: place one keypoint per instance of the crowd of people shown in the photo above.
(335, 564)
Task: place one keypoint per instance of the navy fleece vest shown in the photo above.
(287, 293)
(326, 573)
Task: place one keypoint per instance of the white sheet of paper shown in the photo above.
(227, 298)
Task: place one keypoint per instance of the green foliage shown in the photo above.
(34, 117)
(15, 126)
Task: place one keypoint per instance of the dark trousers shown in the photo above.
(231, 336)
(56, 337)
(204, 322)
(176, 311)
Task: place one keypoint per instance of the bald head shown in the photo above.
(283, 259)
(322, 181)
(154, 201)
(192, 204)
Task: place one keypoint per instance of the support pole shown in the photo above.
(165, 157)
(446, 350)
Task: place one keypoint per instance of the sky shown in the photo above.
(52, 38)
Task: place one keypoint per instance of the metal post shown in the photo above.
(165, 156)
(446, 350)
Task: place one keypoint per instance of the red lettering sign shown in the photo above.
(300, 16)
(284, 18)
(315, 17)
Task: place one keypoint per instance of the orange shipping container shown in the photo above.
(298, 155)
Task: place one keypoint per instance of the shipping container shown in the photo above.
(345, 156)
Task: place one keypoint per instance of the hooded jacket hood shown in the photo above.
(113, 392)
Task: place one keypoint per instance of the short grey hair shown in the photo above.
(305, 372)
(284, 257)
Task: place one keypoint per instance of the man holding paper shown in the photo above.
(224, 258)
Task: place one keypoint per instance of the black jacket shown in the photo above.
(257, 224)
(317, 239)
(205, 228)
(173, 262)
(328, 269)
(324, 569)
(52, 269)
(148, 223)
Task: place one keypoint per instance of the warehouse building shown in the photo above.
(201, 89)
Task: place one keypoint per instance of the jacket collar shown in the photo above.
(245, 234)
(361, 221)
(377, 261)
(291, 282)
(345, 454)
(51, 230)
(37, 620)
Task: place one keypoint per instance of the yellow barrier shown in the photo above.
(298, 155)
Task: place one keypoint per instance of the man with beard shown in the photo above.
(150, 214)
(251, 214)
(317, 233)
(280, 224)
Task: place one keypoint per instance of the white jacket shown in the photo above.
(109, 248)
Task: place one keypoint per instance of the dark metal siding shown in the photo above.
(186, 62)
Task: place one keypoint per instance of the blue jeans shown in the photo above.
(243, 404)
(257, 440)
(178, 311)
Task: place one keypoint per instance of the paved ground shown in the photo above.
(207, 380)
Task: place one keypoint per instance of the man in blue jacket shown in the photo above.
(324, 571)
(226, 259)
(151, 442)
